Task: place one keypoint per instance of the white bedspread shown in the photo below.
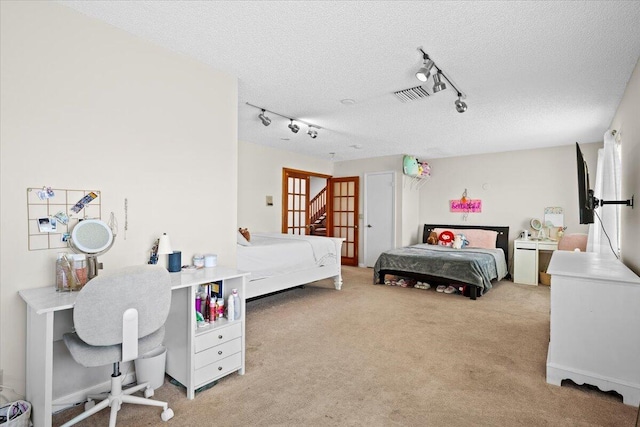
(272, 254)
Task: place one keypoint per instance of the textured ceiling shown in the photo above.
(536, 74)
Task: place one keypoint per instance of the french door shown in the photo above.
(343, 215)
(295, 200)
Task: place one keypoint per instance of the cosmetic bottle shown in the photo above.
(220, 308)
(230, 308)
(204, 307)
(236, 304)
(213, 310)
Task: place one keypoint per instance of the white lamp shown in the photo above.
(164, 245)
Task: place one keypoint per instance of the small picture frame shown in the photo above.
(47, 225)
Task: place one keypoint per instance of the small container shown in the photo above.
(63, 273)
(198, 261)
(210, 260)
(79, 265)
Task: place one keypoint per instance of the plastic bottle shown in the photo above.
(213, 310)
(236, 304)
(230, 308)
(204, 307)
(220, 308)
(63, 273)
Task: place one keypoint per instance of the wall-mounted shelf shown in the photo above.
(418, 171)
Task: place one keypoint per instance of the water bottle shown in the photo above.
(236, 304)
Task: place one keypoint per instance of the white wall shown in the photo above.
(514, 187)
(260, 175)
(627, 122)
(87, 106)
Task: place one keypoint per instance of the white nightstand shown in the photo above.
(526, 259)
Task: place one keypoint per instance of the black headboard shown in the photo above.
(503, 234)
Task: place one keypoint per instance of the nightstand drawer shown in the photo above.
(525, 245)
(219, 369)
(217, 337)
(214, 354)
(547, 246)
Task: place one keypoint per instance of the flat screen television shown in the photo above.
(585, 193)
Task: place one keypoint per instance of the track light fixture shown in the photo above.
(461, 106)
(438, 84)
(294, 128)
(312, 131)
(264, 119)
(424, 73)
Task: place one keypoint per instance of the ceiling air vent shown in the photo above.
(412, 94)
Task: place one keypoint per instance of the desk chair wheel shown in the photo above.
(166, 415)
(148, 392)
(89, 404)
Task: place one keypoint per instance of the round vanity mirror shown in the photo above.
(91, 236)
(536, 224)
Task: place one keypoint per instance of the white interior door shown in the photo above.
(379, 211)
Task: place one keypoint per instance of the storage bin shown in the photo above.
(545, 278)
(150, 367)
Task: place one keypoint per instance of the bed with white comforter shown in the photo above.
(281, 261)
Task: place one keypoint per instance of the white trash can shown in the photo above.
(150, 367)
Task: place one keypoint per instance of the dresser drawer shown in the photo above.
(217, 337)
(218, 352)
(219, 369)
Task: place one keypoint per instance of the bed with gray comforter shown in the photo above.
(467, 266)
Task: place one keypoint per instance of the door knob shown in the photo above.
(369, 226)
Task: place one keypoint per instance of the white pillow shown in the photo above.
(242, 241)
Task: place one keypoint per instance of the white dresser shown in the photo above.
(595, 323)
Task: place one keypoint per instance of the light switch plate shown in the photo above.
(269, 200)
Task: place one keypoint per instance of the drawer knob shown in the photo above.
(220, 337)
(219, 368)
(220, 352)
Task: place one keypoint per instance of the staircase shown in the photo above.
(318, 214)
(319, 226)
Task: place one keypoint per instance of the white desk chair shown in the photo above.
(118, 316)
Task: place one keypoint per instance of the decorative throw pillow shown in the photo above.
(245, 233)
(241, 240)
(485, 239)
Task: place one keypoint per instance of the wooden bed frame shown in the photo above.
(281, 282)
(470, 289)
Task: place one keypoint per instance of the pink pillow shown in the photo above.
(485, 239)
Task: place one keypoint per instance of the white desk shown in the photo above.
(526, 259)
(595, 323)
(54, 380)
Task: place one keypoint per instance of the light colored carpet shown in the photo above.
(389, 356)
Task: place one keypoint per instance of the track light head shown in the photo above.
(264, 119)
(294, 128)
(438, 84)
(312, 133)
(461, 106)
(425, 71)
